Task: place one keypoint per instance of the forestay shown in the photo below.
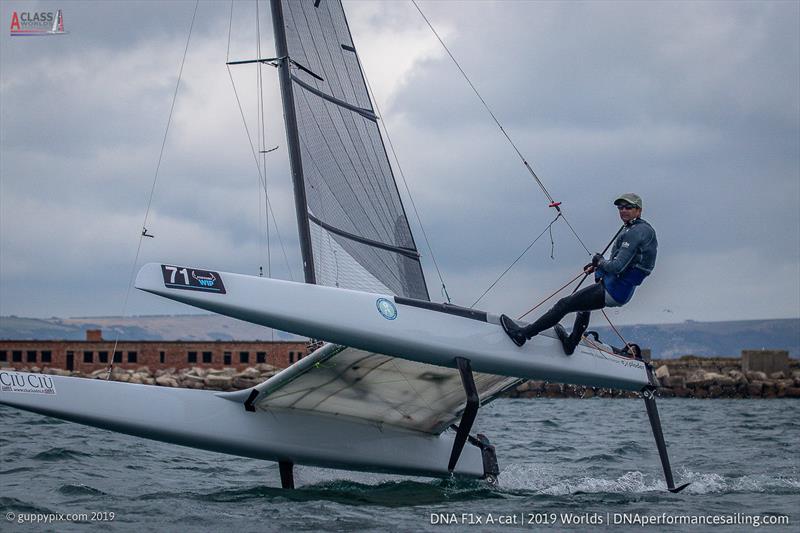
(353, 383)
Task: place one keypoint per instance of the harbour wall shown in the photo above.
(697, 377)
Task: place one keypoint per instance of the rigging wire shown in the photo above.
(545, 230)
(405, 183)
(262, 179)
(263, 151)
(144, 233)
(553, 203)
(263, 139)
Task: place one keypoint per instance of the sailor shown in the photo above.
(632, 259)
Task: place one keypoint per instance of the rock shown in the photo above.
(136, 378)
(166, 381)
(681, 392)
(700, 393)
(777, 375)
(249, 373)
(553, 389)
(524, 387)
(795, 374)
(755, 389)
(244, 383)
(536, 385)
(164, 372)
(674, 382)
(723, 381)
(264, 367)
(99, 373)
(144, 370)
(662, 372)
(56, 372)
(770, 390)
(698, 378)
(588, 393)
(218, 381)
(793, 392)
(198, 371)
(36, 369)
(737, 376)
(227, 371)
(756, 376)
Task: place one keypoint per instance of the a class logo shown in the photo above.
(25, 23)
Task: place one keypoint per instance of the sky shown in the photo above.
(693, 105)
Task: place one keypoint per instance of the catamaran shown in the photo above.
(398, 382)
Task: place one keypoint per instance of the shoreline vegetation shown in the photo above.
(687, 377)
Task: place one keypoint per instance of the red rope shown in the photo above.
(615, 328)
(584, 336)
(543, 301)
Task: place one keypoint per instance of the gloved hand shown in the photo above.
(597, 259)
(588, 269)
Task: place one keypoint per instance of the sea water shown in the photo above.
(567, 464)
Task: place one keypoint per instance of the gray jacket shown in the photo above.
(636, 247)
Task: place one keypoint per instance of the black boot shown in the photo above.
(516, 333)
(564, 338)
(581, 323)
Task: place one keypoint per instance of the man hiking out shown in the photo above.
(633, 257)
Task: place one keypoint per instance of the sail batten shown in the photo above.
(351, 197)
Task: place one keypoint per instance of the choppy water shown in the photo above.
(560, 459)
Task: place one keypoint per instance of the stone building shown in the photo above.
(95, 353)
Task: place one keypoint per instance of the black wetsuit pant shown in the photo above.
(585, 300)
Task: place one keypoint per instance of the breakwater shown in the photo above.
(687, 377)
(224, 379)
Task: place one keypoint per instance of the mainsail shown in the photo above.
(353, 227)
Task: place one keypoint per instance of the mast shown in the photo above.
(293, 141)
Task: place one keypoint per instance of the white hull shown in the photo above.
(219, 422)
(352, 318)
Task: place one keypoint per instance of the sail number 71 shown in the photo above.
(174, 270)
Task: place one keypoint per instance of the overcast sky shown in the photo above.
(693, 105)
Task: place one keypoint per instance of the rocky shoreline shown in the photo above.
(687, 377)
(224, 379)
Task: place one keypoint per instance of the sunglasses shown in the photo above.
(627, 206)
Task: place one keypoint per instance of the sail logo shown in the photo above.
(37, 23)
(386, 308)
(19, 382)
(204, 280)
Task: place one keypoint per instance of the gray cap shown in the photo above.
(629, 197)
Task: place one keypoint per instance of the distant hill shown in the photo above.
(668, 341)
(665, 340)
(157, 327)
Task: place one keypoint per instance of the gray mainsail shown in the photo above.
(353, 227)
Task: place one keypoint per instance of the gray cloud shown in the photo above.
(694, 105)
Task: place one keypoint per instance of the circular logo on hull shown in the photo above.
(386, 308)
